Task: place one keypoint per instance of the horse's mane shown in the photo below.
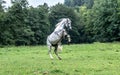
(59, 22)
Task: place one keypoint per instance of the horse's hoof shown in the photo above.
(60, 58)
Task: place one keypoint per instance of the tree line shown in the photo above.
(92, 20)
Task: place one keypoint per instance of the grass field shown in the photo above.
(80, 59)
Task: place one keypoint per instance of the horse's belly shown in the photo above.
(54, 39)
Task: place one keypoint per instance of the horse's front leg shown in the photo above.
(57, 52)
(49, 51)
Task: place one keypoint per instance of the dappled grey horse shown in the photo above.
(60, 32)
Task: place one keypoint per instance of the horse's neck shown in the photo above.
(60, 27)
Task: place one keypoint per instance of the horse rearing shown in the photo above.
(60, 32)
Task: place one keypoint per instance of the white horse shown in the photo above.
(60, 32)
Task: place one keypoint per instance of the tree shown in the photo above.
(105, 23)
(39, 23)
(2, 23)
(1, 5)
(74, 3)
(18, 29)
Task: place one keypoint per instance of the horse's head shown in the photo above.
(64, 23)
(67, 24)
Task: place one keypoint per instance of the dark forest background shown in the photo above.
(92, 20)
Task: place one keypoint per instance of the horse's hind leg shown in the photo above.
(57, 53)
(49, 52)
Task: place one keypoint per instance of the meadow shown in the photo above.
(77, 59)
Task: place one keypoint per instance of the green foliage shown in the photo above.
(22, 25)
(85, 20)
(39, 23)
(105, 24)
(17, 14)
(101, 22)
(74, 3)
(1, 5)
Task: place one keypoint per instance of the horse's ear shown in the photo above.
(68, 19)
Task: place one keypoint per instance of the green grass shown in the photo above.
(80, 59)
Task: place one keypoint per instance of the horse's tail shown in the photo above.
(59, 49)
(48, 41)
